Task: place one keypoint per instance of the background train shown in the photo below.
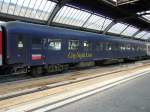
(26, 47)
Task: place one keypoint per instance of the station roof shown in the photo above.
(124, 18)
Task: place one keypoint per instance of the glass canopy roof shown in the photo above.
(123, 29)
(146, 36)
(77, 17)
(129, 31)
(69, 15)
(36, 9)
(97, 22)
(118, 28)
(145, 15)
(141, 34)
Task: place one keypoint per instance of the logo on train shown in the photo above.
(79, 55)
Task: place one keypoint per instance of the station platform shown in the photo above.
(116, 90)
(132, 96)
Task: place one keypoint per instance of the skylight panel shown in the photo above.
(118, 28)
(145, 15)
(147, 36)
(141, 34)
(5, 6)
(12, 5)
(39, 8)
(24, 7)
(36, 9)
(30, 8)
(18, 7)
(71, 16)
(49, 9)
(129, 31)
(97, 22)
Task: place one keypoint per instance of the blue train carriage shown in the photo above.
(37, 48)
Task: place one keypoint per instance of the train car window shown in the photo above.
(36, 43)
(99, 46)
(122, 47)
(116, 47)
(20, 43)
(128, 47)
(73, 44)
(119, 47)
(87, 45)
(54, 44)
(105, 46)
(143, 48)
(133, 49)
(136, 48)
(45, 43)
(140, 48)
(108, 46)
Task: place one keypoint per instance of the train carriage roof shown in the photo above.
(17, 27)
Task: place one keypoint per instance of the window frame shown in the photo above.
(20, 39)
(40, 45)
(70, 47)
(89, 47)
(100, 46)
(54, 48)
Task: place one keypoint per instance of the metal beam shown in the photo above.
(59, 5)
(109, 26)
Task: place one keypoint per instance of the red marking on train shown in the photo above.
(36, 57)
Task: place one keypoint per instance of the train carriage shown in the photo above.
(28, 46)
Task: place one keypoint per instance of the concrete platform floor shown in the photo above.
(132, 96)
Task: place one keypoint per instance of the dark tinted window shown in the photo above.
(99, 46)
(36, 43)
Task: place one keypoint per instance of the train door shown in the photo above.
(37, 51)
(21, 51)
